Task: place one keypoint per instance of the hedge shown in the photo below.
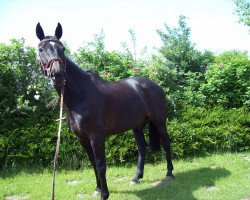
(30, 140)
(200, 131)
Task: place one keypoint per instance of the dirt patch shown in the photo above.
(121, 179)
(21, 196)
(80, 196)
(214, 167)
(211, 188)
(247, 158)
(74, 182)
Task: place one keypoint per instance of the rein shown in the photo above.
(57, 144)
(47, 70)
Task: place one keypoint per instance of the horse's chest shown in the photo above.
(74, 123)
(80, 124)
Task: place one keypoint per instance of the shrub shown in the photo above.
(227, 81)
(32, 139)
(200, 131)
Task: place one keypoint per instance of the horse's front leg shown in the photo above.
(85, 142)
(98, 146)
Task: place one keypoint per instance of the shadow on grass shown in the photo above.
(182, 186)
(12, 172)
(34, 168)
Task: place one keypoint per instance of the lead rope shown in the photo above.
(57, 144)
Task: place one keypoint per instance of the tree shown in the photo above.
(112, 65)
(243, 11)
(178, 50)
(178, 62)
(109, 65)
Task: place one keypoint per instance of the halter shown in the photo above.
(47, 67)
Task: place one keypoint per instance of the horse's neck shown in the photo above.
(76, 84)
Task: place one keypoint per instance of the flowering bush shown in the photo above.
(227, 81)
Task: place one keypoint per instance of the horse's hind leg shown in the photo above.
(165, 139)
(98, 146)
(141, 144)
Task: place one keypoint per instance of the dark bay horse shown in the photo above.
(97, 108)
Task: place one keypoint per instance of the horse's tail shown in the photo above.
(154, 138)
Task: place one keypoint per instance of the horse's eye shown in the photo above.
(40, 49)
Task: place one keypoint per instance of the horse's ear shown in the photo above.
(39, 32)
(58, 32)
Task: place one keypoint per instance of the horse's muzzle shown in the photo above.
(57, 73)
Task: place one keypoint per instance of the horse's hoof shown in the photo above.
(170, 177)
(134, 182)
(96, 193)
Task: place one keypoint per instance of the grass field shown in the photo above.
(216, 177)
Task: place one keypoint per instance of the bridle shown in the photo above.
(47, 67)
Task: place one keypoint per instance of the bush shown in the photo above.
(200, 131)
(227, 81)
(32, 139)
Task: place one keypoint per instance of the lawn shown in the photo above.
(216, 177)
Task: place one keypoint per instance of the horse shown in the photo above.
(97, 108)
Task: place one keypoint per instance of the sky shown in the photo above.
(213, 25)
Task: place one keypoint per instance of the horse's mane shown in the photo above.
(87, 71)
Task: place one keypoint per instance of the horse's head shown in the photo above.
(51, 54)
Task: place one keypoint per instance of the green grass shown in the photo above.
(218, 176)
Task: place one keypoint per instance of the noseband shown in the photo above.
(47, 67)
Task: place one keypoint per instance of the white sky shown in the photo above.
(213, 24)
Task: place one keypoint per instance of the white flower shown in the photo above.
(37, 96)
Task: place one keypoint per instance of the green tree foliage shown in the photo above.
(112, 65)
(227, 80)
(22, 87)
(24, 94)
(178, 51)
(179, 64)
(243, 11)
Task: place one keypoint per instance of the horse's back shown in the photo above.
(130, 101)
